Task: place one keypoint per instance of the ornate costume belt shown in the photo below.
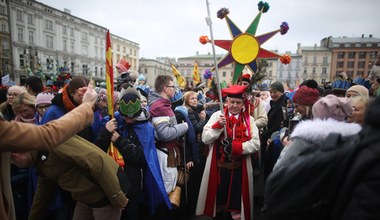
(229, 165)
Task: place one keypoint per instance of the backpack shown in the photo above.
(307, 187)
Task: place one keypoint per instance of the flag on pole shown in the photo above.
(196, 75)
(180, 80)
(112, 150)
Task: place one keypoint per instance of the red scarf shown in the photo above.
(238, 126)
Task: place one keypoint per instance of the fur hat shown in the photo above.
(359, 90)
(332, 106)
(307, 94)
(44, 98)
(277, 86)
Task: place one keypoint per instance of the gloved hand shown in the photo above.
(227, 145)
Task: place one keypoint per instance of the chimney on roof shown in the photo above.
(67, 11)
(370, 35)
(362, 35)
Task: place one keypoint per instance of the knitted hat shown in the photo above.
(277, 86)
(359, 90)
(332, 106)
(141, 78)
(44, 98)
(306, 95)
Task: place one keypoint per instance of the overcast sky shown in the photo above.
(172, 27)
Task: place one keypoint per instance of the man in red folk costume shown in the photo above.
(227, 184)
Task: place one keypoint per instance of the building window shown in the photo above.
(270, 73)
(84, 36)
(373, 55)
(72, 67)
(72, 32)
(96, 51)
(2, 10)
(323, 81)
(84, 50)
(362, 55)
(224, 74)
(306, 60)
(20, 34)
(96, 40)
(19, 15)
(5, 45)
(314, 60)
(351, 55)
(64, 30)
(304, 70)
(350, 64)
(4, 27)
(361, 64)
(314, 70)
(118, 48)
(280, 74)
(30, 19)
(49, 25)
(49, 42)
(124, 49)
(324, 70)
(64, 45)
(340, 64)
(72, 46)
(22, 60)
(325, 61)
(31, 37)
(85, 70)
(340, 55)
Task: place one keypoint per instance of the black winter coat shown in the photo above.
(359, 197)
(275, 118)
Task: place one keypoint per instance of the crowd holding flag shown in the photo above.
(180, 80)
(112, 151)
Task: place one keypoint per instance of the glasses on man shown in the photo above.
(173, 86)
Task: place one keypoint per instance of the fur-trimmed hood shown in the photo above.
(317, 129)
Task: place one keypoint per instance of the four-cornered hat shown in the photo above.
(234, 91)
(246, 77)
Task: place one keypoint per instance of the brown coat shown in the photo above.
(21, 136)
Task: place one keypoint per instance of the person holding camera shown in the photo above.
(227, 182)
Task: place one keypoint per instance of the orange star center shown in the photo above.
(245, 48)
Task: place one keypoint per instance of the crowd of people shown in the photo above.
(167, 153)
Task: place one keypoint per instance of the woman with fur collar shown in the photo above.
(329, 115)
